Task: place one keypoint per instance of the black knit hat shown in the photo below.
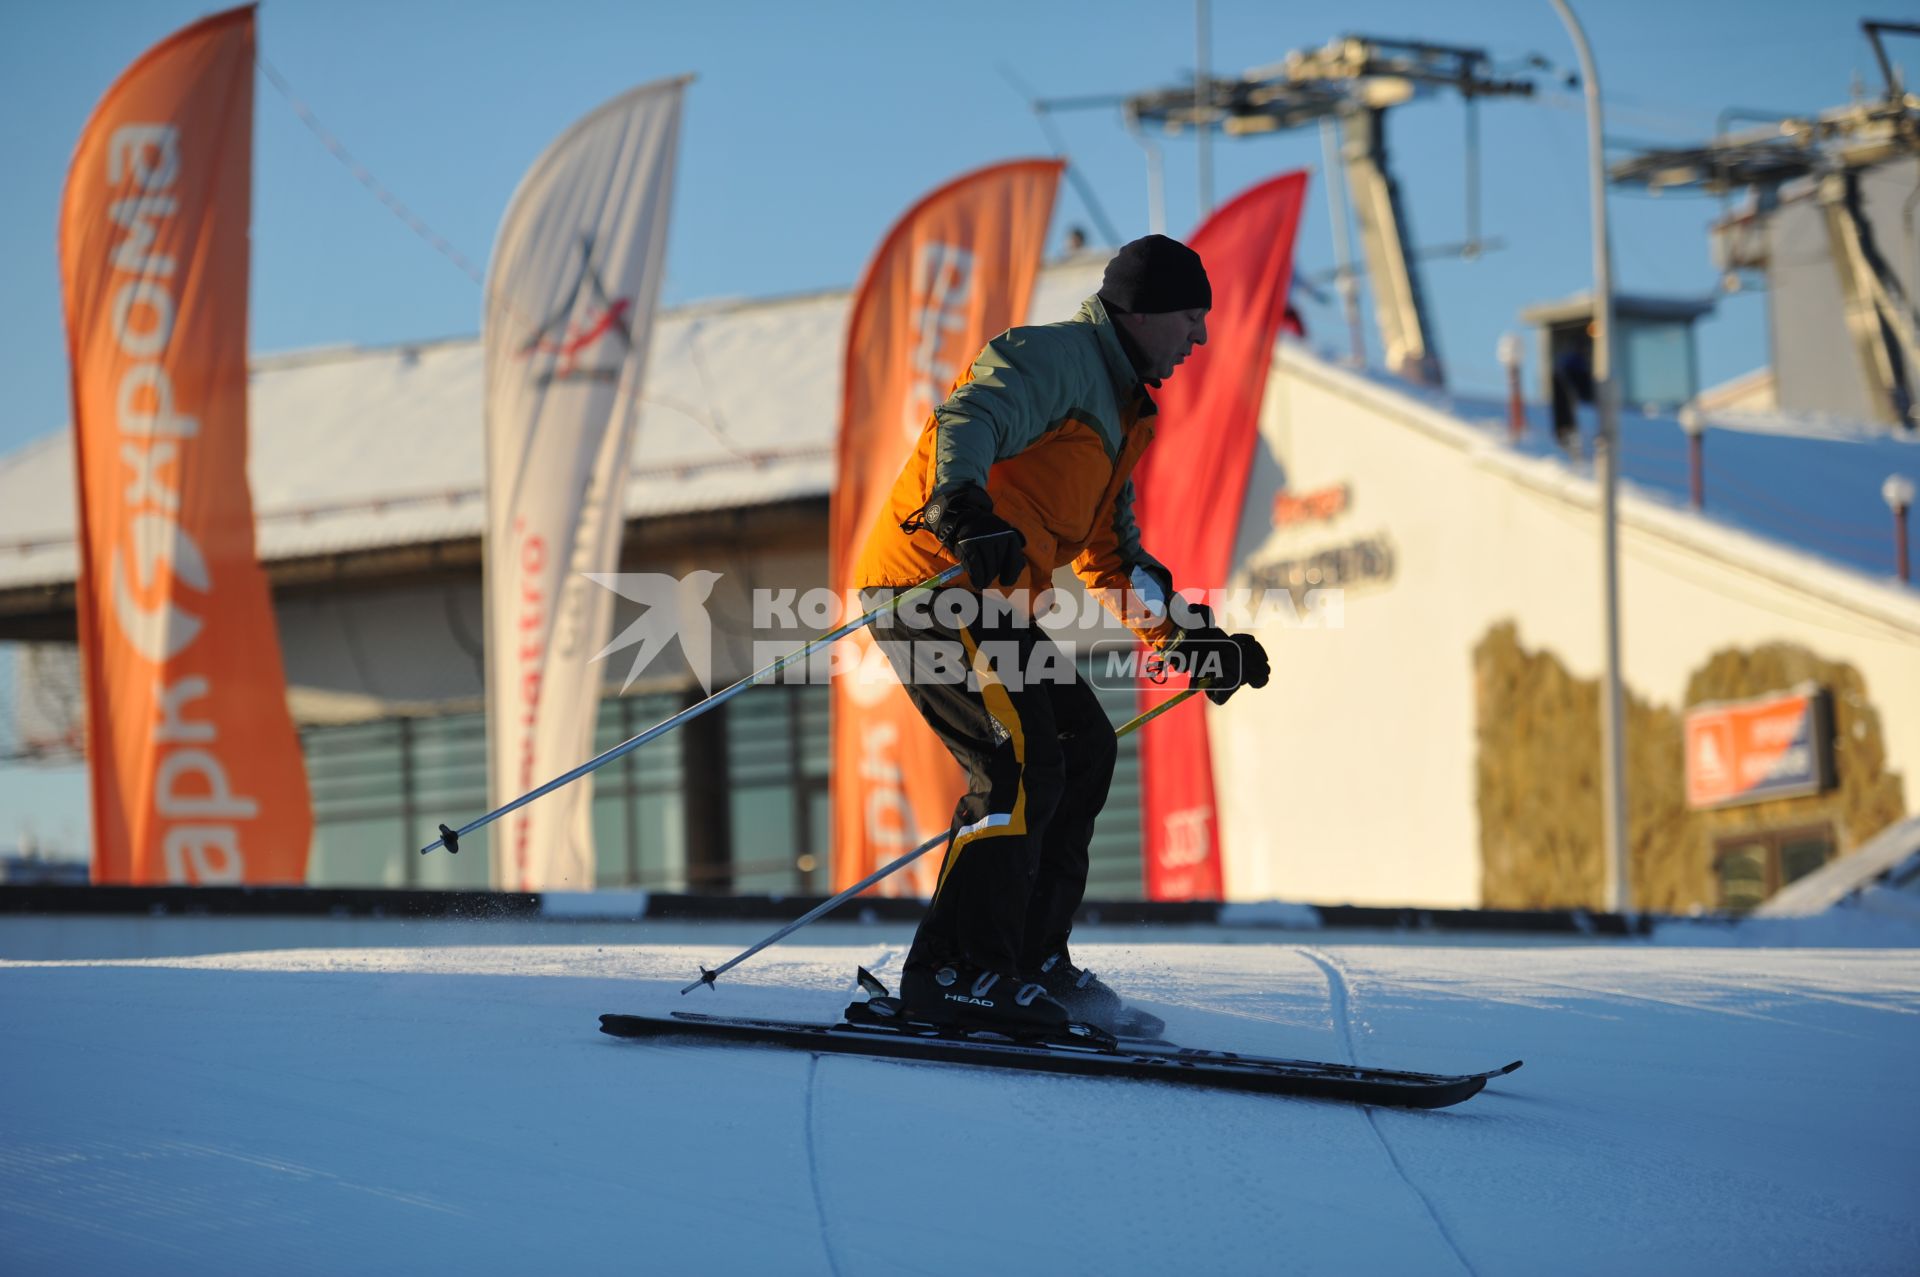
(1155, 274)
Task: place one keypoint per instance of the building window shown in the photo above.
(379, 789)
(639, 807)
(1114, 866)
(361, 800)
(1657, 362)
(445, 765)
(1752, 866)
(778, 756)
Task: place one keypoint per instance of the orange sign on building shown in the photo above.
(1772, 747)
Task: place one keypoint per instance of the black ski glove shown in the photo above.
(988, 547)
(1223, 662)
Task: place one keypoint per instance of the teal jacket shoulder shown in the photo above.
(1028, 381)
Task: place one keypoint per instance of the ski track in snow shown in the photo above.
(813, 1169)
(1343, 1021)
(454, 1109)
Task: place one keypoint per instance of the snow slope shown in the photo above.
(455, 1110)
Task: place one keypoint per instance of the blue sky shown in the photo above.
(813, 125)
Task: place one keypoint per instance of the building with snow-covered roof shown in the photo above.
(367, 471)
(1431, 736)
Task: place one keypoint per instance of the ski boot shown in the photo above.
(1089, 1000)
(966, 996)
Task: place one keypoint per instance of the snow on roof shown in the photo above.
(1750, 391)
(356, 448)
(1805, 481)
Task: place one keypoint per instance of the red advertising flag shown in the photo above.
(954, 272)
(1189, 490)
(195, 770)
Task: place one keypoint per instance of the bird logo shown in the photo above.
(671, 607)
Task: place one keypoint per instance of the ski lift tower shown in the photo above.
(1829, 159)
(1350, 85)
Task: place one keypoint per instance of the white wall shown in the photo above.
(1352, 778)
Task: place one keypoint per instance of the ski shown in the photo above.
(883, 1011)
(1087, 1052)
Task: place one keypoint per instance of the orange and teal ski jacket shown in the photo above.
(1049, 420)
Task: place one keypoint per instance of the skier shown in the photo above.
(1025, 468)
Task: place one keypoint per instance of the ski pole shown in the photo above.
(450, 838)
(708, 977)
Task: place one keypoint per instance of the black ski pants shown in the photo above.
(1038, 751)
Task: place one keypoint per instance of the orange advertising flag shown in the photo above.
(195, 769)
(954, 272)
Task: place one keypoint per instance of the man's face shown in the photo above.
(1164, 339)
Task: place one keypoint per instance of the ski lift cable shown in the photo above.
(413, 221)
(1042, 115)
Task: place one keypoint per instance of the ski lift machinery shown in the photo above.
(1345, 87)
(1824, 156)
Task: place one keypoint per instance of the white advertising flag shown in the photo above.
(570, 298)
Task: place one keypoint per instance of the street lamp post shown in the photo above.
(1510, 354)
(1613, 805)
(1898, 493)
(1693, 423)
